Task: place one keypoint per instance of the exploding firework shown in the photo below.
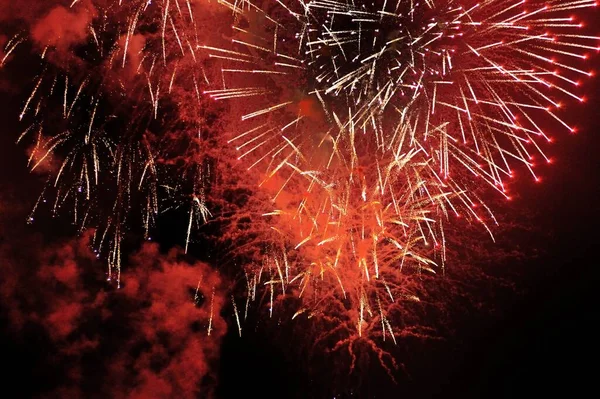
(371, 123)
(102, 119)
(473, 85)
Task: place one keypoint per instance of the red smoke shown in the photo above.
(62, 27)
(147, 340)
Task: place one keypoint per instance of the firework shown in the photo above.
(371, 123)
(101, 119)
(364, 126)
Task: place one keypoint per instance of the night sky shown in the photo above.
(66, 332)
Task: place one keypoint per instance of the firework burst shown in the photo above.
(388, 117)
(102, 118)
(474, 85)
